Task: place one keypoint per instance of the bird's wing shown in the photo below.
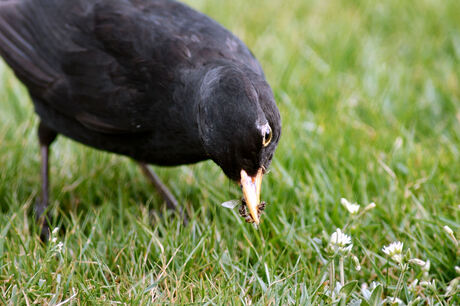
(110, 64)
(72, 56)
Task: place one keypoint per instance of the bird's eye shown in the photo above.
(267, 138)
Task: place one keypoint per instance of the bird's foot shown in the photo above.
(42, 220)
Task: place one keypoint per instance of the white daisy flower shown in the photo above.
(394, 250)
(352, 208)
(340, 242)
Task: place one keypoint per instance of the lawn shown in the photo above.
(369, 94)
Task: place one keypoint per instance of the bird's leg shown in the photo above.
(45, 137)
(167, 196)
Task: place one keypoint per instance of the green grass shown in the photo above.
(370, 99)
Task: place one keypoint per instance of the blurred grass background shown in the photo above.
(369, 94)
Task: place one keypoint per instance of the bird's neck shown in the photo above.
(184, 111)
(181, 120)
(189, 96)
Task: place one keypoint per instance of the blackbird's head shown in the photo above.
(239, 126)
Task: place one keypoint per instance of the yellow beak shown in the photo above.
(251, 192)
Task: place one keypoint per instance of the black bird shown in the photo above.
(150, 79)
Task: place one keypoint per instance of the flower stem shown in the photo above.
(332, 275)
(400, 280)
(342, 273)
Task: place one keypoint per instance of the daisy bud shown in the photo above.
(453, 287)
(418, 262)
(370, 206)
(352, 208)
(426, 267)
(430, 284)
(414, 302)
(450, 233)
(413, 286)
(448, 230)
(356, 262)
(392, 301)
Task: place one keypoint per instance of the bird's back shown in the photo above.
(50, 39)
